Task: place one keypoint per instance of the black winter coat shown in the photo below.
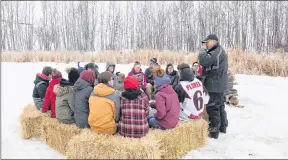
(39, 91)
(174, 77)
(215, 66)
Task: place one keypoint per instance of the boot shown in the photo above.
(223, 130)
(214, 132)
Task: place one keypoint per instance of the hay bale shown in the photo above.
(57, 135)
(89, 145)
(31, 122)
(188, 135)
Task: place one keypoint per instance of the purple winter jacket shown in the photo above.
(167, 106)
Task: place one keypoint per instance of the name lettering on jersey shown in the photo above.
(193, 85)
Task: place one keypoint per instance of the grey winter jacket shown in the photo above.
(82, 91)
(215, 66)
(119, 86)
(115, 78)
(64, 102)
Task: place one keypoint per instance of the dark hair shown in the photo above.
(47, 70)
(137, 63)
(182, 66)
(195, 63)
(73, 75)
(104, 77)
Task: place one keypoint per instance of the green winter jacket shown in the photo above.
(64, 102)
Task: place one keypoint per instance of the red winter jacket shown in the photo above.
(50, 98)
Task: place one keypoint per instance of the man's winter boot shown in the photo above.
(214, 133)
(223, 129)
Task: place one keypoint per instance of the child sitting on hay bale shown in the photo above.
(166, 103)
(141, 77)
(83, 88)
(104, 106)
(50, 96)
(173, 75)
(192, 95)
(134, 110)
(64, 97)
(41, 83)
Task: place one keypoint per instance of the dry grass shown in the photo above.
(57, 135)
(187, 136)
(31, 122)
(89, 145)
(239, 62)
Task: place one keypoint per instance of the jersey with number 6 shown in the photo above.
(193, 105)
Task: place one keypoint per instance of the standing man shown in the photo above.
(214, 61)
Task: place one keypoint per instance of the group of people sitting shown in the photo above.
(111, 102)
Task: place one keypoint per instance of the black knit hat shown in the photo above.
(91, 66)
(187, 74)
(73, 75)
(153, 60)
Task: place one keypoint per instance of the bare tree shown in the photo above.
(179, 25)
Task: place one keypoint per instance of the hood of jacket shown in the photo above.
(134, 72)
(173, 73)
(166, 88)
(159, 81)
(187, 74)
(81, 84)
(41, 77)
(62, 90)
(108, 64)
(131, 94)
(103, 90)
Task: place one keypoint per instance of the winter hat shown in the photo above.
(187, 74)
(88, 76)
(91, 66)
(182, 66)
(109, 64)
(73, 74)
(169, 65)
(131, 83)
(153, 60)
(56, 74)
(159, 81)
(210, 37)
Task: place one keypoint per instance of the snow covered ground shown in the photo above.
(257, 131)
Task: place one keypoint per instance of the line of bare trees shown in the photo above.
(179, 26)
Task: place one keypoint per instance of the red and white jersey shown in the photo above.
(193, 106)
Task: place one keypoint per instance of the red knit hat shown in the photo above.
(131, 82)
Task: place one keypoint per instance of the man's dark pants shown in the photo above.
(217, 114)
